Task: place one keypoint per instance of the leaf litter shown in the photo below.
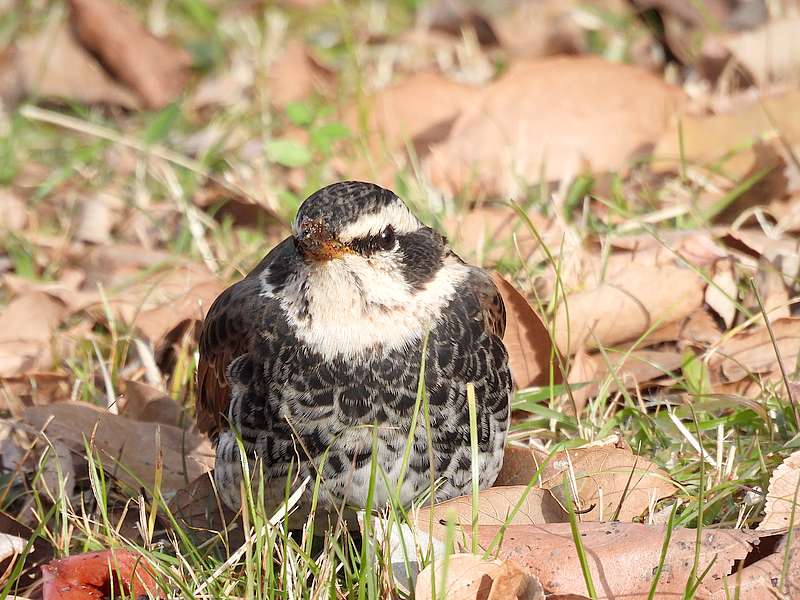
(656, 197)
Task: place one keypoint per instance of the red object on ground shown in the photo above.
(94, 575)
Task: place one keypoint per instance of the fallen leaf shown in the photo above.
(769, 53)
(751, 352)
(39, 551)
(33, 388)
(537, 121)
(531, 355)
(760, 580)
(418, 111)
(623, 556)
(155, 69)
(13, 212)
(53, 65)
(470, 577)
(495, 506)
(626, 306)
(156, 323)
(723, 292)
(629, 369)
(488, 233)
(149, 404)
(608, 479)
(294, 75)
(126, 447)
(783, 497)
(708, 140)
(783, 253)
(26, 326)
(96, 218)
(697, 329)
(90, 576)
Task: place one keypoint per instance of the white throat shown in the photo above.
(352, 304)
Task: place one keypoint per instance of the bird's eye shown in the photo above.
(386, 238)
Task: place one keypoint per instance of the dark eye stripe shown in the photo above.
(385, 240)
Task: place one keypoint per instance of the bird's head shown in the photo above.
(367, 231)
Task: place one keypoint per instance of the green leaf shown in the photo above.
(695, 374)
(162, 124)
(288, 153)
(324, 136)
(300, 113)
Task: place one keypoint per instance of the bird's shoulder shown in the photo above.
(479, 297)
(233, 324)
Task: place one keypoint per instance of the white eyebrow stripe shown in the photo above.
(396, 215)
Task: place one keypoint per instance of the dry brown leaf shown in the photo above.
(126, 447)
(706, 140)
(623, 556)
(156, 70)
(723, 292)
(538, 121)
(751, 352)
(143, 402)
(470, 577)
(494, 507)
(53, 65)
(783, 497)
(782, 252)
(419, 111)
(531, 355)
(96, 218)
(26, 326)
(158, 322)
(608, 478)
(33, 388)
(294, 75)
(627, 305)
(769, 53)
(488, 233)
(520, 464)
(760, 579)
(13, 212)
(628, 370)
(697, 329)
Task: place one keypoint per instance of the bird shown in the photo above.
(313, 362)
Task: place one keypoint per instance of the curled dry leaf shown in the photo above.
(530, 351)
(751, 352)
(623, 556)
(53, 65)
(495, 506)
(147, 403)
(626, 306)
(126, 447)
(153, 68)
(538, 121)
(90, 576)
(761, 579)
(783, 495)
(769, 53)
(723, 292)
(469, 577)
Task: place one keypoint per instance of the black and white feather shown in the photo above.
(322, 343)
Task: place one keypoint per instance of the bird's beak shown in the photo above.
(317, 243)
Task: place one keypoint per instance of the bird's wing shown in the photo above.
(233, 323)
(494, 310)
